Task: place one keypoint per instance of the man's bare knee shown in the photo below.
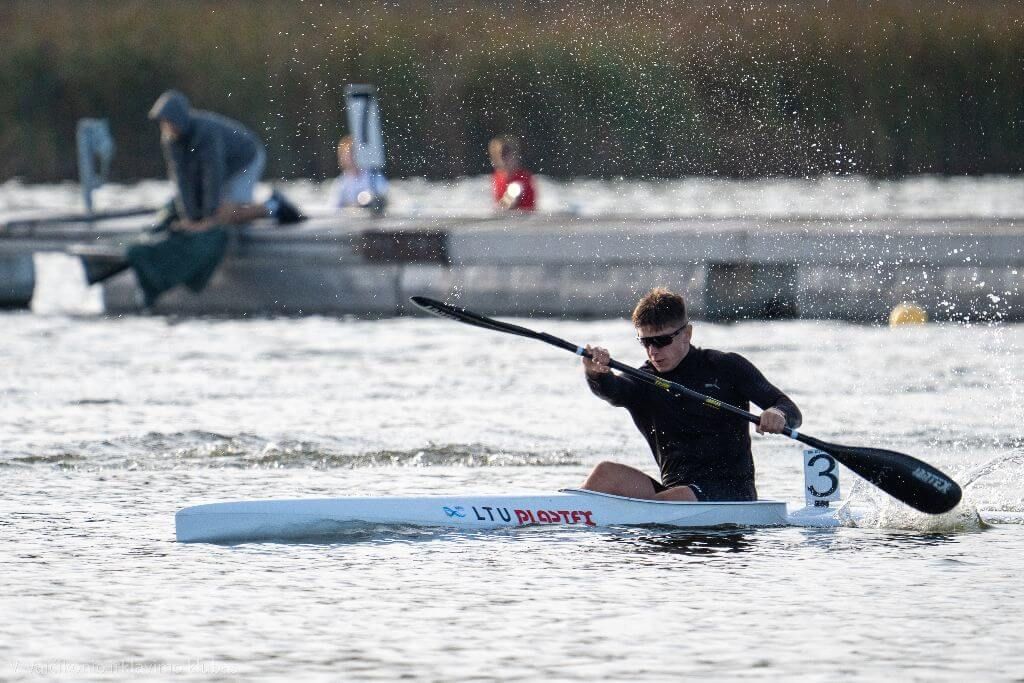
(618, 479)
(606, 468)
(605, 472)
(678, 493)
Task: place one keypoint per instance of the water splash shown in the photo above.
(869, 508)
(996, 465)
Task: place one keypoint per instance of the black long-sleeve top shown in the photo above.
(691, 442)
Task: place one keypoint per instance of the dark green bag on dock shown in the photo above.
(181, 258)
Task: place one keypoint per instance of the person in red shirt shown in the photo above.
(513, 184)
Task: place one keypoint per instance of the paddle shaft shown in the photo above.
(681, 391)
(477, 320)
(662, 383)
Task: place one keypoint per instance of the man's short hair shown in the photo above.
(660, 308)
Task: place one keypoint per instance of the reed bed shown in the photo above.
(607, 89)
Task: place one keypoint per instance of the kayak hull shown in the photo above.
(262, 520)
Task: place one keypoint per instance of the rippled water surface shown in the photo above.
(110, 425)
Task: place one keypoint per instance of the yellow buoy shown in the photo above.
(907, 313)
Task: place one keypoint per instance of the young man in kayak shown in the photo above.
(704, 454)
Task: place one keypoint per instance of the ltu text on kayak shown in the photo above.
(486, 513)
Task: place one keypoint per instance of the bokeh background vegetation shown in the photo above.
(594, 87)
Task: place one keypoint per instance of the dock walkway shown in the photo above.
(556, 265)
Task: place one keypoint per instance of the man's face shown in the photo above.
(169, 131)
(666, 358)
(345, 158)
(495, 149)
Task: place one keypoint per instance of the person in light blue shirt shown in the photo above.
(357, 187)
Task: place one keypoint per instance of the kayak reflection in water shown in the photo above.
(703, 453)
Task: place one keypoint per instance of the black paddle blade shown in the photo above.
(903, 477)
(443, 310)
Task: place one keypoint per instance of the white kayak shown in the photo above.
(261, 520)
(309, 518)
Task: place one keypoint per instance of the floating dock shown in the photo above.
(561, 265)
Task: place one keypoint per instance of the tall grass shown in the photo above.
(594, 87)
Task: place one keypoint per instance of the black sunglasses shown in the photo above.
(660, 340)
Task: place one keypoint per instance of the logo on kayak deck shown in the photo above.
(936, 482)
(487, 513)
(555, 517)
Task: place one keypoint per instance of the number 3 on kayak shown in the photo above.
(821, 478)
